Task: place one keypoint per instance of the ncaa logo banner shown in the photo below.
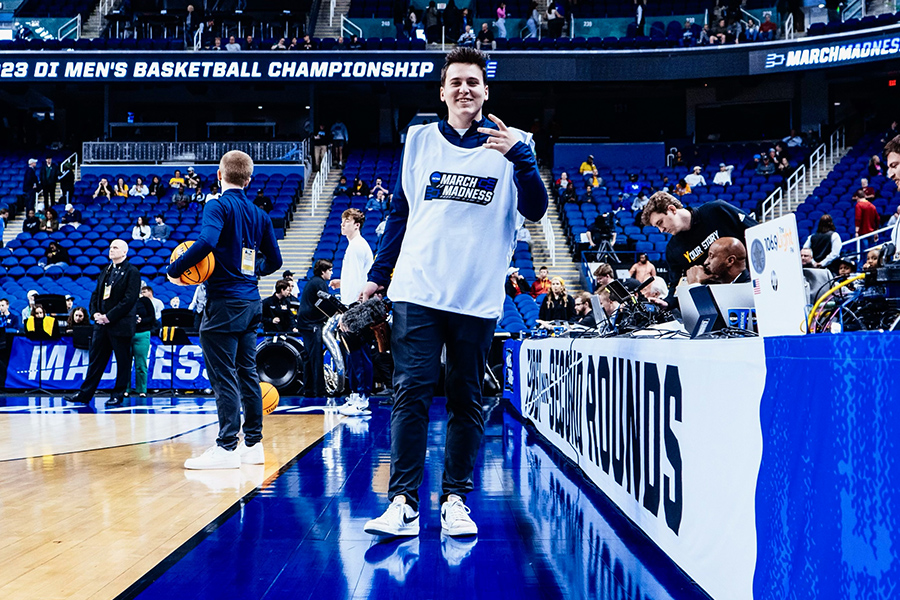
(636, 417)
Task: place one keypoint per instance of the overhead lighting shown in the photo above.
(259, 107)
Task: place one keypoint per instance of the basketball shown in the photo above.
(270, 397)
(199, 272)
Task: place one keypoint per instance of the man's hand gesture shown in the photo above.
(501, 140)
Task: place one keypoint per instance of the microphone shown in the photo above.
(646, 283)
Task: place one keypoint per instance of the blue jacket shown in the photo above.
(532, 195)
(231, 223)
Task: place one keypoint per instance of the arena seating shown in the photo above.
(55, 8)
(834, 196)
(882, 20)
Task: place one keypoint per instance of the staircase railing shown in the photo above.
(789, 27)
(318, 185)
(71, 28)
(547, 228)
(857, 242)
(346, 25)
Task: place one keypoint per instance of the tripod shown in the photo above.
(605, 252)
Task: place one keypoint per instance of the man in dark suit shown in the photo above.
(49, 179)
(31, 185)
(113, 309)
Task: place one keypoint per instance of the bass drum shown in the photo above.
(281, 361)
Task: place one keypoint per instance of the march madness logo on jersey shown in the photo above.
(463, 188)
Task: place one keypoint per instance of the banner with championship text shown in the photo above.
(58, 366)
(672, 438)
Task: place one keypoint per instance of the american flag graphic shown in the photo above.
(756, 288)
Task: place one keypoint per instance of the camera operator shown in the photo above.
(725, 263)
(602, 230)
(693, 231)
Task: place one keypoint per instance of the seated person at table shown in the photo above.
(584, 312)
(726, 262)
(557, 305)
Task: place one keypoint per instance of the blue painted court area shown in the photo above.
(543, 532)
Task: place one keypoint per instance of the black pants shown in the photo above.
(49, 193)
(417, 337)
(311, 334)
(104, 345)
(228, 339)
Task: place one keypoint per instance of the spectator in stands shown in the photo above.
(276, 310)
(103, 189)
(452, 19)
(767, 29)
(640, 17)
(557, 305)
(825, 243)
(569, 194)
(217, 45)
(555, 20)
(869, 190)
(249, 43)
(51, 221)
(54, 254)
(156, 187)
(682, 188)
(32, 223)
(589, 195)
(26, 312)
(177, 179)
(500, 23)
(192, 22)
(192, 180)
(158, 306)
(181, 200)
(752, 33)
(467, 39)
(320, 146)
(31, 184)
(643, 269)
(359, 188)
(399, 14)
(175, 302)
(696, 178)
(7, 319)
(687, 34)
(141, 231)
(378, 204)
(49, 175)
(806, 258)
(139, 190)
(307, 43)
(70, 302)
(464, 19)
(639, 202)
(339, 138)
(378, 186)
(735, 31)
(121, 189)
(893, 132)
(633, 187)
(765, 166)
(873, 260)
(161, 231)
(523, 235)
(432, 23)
(781, 152)
(704, 38)
(485, 37)
(342, 188)
(280, 45)
(867, 219)
(534, 21)
(515, 283)
(561, 184)
(718, 32)
(232, 45)
(263, 201)
(875, 167)
(542, 284)
(783, 167)
(894, 218)
(354, 44)
(294, 45)
(723, 177)
(71, 217)
(213, 193)
(412, 24)
(588, 170)
(793, 140)
(146, 324)
(679, 159)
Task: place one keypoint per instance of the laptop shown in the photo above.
(708, 316)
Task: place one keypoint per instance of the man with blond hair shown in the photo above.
(241, 238)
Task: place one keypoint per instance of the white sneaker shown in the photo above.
(360, 401)
(456, 550)
(398, 519)
(397, 558)
(455, 518)
(251, 455)
(215, 457)
(351, 410)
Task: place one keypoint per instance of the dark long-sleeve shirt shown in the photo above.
(231, 223)
(531, 195)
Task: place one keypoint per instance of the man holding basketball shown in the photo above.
(448, 241)
(241, 238)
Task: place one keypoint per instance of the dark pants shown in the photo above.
(359, 366)
(104, 345)
(417, 337)
(228, 339)
(314, 382)
(49, 193)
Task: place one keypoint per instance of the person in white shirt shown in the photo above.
(139, 189)
(158, 306)
(213, 193)
(723, 177)
(695, 179)
(793, 140)
(358, 259)
(141, 231)
(894, 218)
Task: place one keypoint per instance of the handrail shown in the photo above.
(854, 9)
(72, 26)
(321, 177)
(857, 241)
(331, 14)
(789, 27)
(346, 24)
(195, 152)
(536, 26)
(198, 37)
(837, 142)
(547, 228)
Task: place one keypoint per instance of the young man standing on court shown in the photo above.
(448, 241)
(242, 240)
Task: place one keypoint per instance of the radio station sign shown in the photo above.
(180, 67)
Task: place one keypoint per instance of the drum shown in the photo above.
(281, 361)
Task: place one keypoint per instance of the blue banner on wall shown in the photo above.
(58, 366)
